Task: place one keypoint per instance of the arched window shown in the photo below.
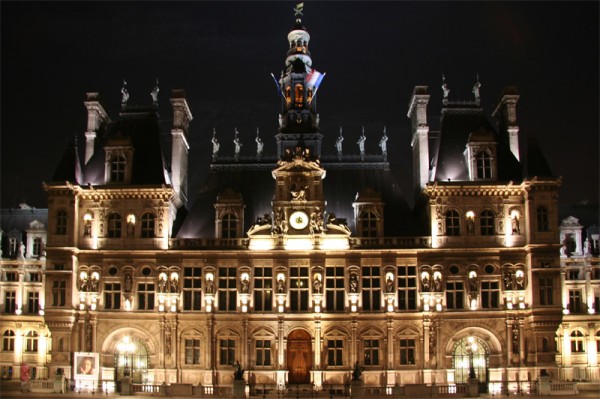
(542, 219)
(147, 225)
(117, 169)
(577, 339)
(368, 220)
(31, 341)
(484, 165)
(487, 223)
(61, 223)
(299, 95)
(114, 225)
(229, 226)
(452, 223)
(8, 341)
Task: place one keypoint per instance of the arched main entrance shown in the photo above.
(470, 355)
(299, 357)
(131, 359)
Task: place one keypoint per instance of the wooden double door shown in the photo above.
(299, 357)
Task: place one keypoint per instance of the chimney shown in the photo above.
(96, 118)
(417, 112)
(505, 114)
(180, 147)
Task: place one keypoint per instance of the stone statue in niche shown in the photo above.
(353, 283)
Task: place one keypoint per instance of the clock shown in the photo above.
(298, 220)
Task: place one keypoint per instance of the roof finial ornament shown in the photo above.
(445, 89)
(154, 93)
(298, 12)
(361, 144)
(476, 87)
(383, 144)
(259, 144)
(338, 144)
(124, 94)
(237, 143)
(215, 144)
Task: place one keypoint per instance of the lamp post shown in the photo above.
(126, 347)
(471, 349)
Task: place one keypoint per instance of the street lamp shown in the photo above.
(471, 349)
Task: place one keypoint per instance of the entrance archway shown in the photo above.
(131, 359)
(470, 354)
(299, 360)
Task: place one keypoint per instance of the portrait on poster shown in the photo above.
(86, 365)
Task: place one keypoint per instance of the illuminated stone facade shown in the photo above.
(303, 264)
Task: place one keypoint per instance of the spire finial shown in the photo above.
(298, 12)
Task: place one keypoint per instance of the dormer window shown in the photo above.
(368, 220)
(484, 165)
(117, 169)
(229, 226)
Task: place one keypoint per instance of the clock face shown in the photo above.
(298, 220)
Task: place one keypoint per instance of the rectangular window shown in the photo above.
(61, 223)
(145, 295)
(407, 287)
(573, 274)
(11, 276)
(192, 288)
(490, 294)
(12, 247)
(10, 301)
(33, 302)
(371, 288)
(371, 352)
(263, 352)
(37, 247)
(59, 293)
(227, 289)
(263, 289)
(575, 304)
(35, 277)
(407, 352)
(546, 291)
(192, 351)
(299, 289)
(334, 289)
(112, 296)
(227, 350)
(455, 295)
(335, 352)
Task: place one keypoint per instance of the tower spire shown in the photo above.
(298, 84)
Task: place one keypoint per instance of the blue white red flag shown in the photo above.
(314, 78)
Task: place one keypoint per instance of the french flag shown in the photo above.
(314, 78)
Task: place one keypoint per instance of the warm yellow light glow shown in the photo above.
(335, 244)
(472, 274)
(298, 244)
(83, 275)
(317, 309)
(174, 276)
(131, 218)
(261, 244)
(209, 277)
(470, 215)
(95, 276)
(245, 276)
(514, 214)
(88, 217)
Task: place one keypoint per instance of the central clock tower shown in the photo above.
(298, 204)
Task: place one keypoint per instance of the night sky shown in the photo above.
(222, 55)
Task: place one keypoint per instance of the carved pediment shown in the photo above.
(36, 225)
(571, 221)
